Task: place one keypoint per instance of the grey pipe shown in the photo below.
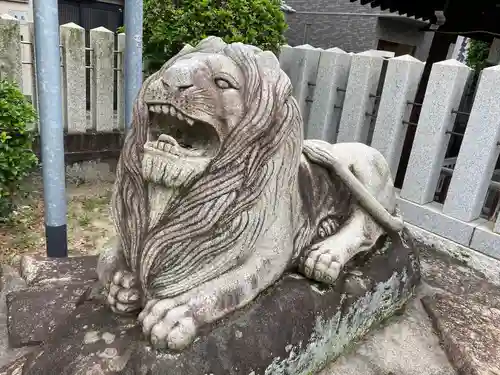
(133, 55)
(48, 73)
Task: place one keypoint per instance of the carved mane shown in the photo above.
(205, 220)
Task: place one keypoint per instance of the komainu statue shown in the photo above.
(218, 195)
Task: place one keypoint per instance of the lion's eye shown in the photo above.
(223, 84)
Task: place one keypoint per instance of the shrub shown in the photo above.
(167, 27)
(16, 155)
(477, 54)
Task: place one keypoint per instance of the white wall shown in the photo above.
(17, 9)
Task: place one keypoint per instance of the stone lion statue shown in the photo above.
(217, 194)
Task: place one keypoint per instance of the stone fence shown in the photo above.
(365, 97)
(92, 83)
(368, 97)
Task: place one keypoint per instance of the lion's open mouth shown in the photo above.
(177, 134)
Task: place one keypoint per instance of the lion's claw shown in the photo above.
(123, 295)
(168, 325)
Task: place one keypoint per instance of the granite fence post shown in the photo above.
(363, 80)
(74, 84)
(304, 78)
(10, 49)
(400, 87)
(290, 62)
(34, 89)
(101, 86)
(478, 153)
(444, 92)
(333, 71)
(120, 81)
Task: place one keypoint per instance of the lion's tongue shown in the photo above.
(168, 139)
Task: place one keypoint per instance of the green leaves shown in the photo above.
(477, 54)
(167, 27)
(16, 155)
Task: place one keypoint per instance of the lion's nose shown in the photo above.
(178, 79)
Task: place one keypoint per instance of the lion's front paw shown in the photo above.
(123, 294)
(168, 325)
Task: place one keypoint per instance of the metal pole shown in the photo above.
(48, 72)
(133, 55)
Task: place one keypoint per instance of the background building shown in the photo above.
(355, 28)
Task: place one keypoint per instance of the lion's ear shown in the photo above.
(186, 49)
(211, 44)
(269, 65)
(267, 61)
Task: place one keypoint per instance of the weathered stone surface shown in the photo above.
(469, 330)
(465, 310)
(10, 281)
(295, 327)
(33, 313)
(37, 270)
(405, 345)
(14, 368)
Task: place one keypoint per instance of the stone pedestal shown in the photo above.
(295, 327)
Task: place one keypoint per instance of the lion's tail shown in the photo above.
(320, 155)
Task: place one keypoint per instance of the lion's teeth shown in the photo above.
(172, 111)
(180, 116)
(164, 109)
(157, 108)
(190, 121)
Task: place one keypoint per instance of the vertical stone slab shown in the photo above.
(363, 81)
(494, 54)
(74, 84)
(333, 71)
(479, 151)
(496, 228)
(444, 92)
(10, 49)
(308, 58)
(120, 81)
(34, 91)
(101, 84)
(400, 86)
(290, 62)
(26, 58)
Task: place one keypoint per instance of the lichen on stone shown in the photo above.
(331, 337)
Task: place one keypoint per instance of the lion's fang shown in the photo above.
(190, 121)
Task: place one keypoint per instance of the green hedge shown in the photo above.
(16, 156)
(167, 27)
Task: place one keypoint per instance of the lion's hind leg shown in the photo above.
(324, 260)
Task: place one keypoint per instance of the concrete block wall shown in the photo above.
(341, 104)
